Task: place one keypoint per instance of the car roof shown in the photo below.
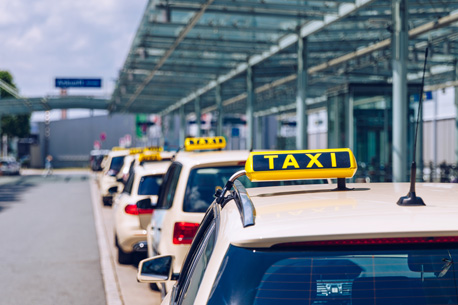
(317, 212)
(192, 159)
(152, 168)
(118, 153)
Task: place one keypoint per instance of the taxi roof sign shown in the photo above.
(117, 148)
(204, 143)
(301, 164)
(153, 148)
(150, 157)
(135, 150)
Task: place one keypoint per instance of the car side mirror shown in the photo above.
(157, 269)
(113, 190)
(145, 204)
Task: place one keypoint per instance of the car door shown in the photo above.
(165, 200)
(193, 270)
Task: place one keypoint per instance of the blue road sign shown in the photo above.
(78, 82)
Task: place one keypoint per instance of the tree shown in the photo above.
(13, 125)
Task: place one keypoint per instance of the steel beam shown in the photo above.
(400, 104)
(301, 94)
(249, 107)
(456, 111)
(219, 108)
(259, 131)
(285, 42)
(178, 40)
(182, 131)
(414, 33)
(198, 116)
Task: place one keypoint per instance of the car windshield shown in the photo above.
(420, 274)
(203, 182)
(116, 163)
(149, 185)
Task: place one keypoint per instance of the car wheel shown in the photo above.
(124, 258)
(154, 287)
(106, 201)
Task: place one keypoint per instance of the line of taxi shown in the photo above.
(133, 178)
(315, 244)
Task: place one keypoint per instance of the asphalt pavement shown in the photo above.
(56, 246)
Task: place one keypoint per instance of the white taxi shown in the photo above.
(317, 244)
(188, 190)
(190, 184)
(108, 183)
(133, 207)
(147, 154)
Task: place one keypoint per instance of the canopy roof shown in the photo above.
(22, 105)
(186, 49)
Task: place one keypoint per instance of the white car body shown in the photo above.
(130, 227)
(292, 216)
(107, 179)
(161, 229)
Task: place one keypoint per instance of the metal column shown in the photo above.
(349, 124)
(162, 136)
(1, 131)
(198, 116)
(219, 108)
(249, 107)
(259, 132)
(456, 116)
(419, 153)
(182, 131)
(301, 95)
(400, 103)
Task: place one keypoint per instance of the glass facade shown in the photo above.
(360, 117)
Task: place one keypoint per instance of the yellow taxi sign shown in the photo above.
(135, 150)
(153, 148)
(204, 143)
(150, 157)
(301, 164)
(116, 148)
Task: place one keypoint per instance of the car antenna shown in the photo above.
(411, 199)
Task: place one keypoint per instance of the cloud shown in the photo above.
(45, 39)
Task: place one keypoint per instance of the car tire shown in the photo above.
(106, 201)
(154, 287)
(124, 258)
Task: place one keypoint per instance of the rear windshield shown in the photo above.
(376, 275)
(203, 182)
(149, 185)
(116, 163)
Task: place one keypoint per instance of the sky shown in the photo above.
(45, 39)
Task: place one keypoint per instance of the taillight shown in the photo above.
(132, 209)
(374, 241)
(184, 232)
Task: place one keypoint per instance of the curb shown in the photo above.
(110, 280)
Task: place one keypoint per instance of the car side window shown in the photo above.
(205, 228)
(129, 184)
(198, 268)
(167, 192)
